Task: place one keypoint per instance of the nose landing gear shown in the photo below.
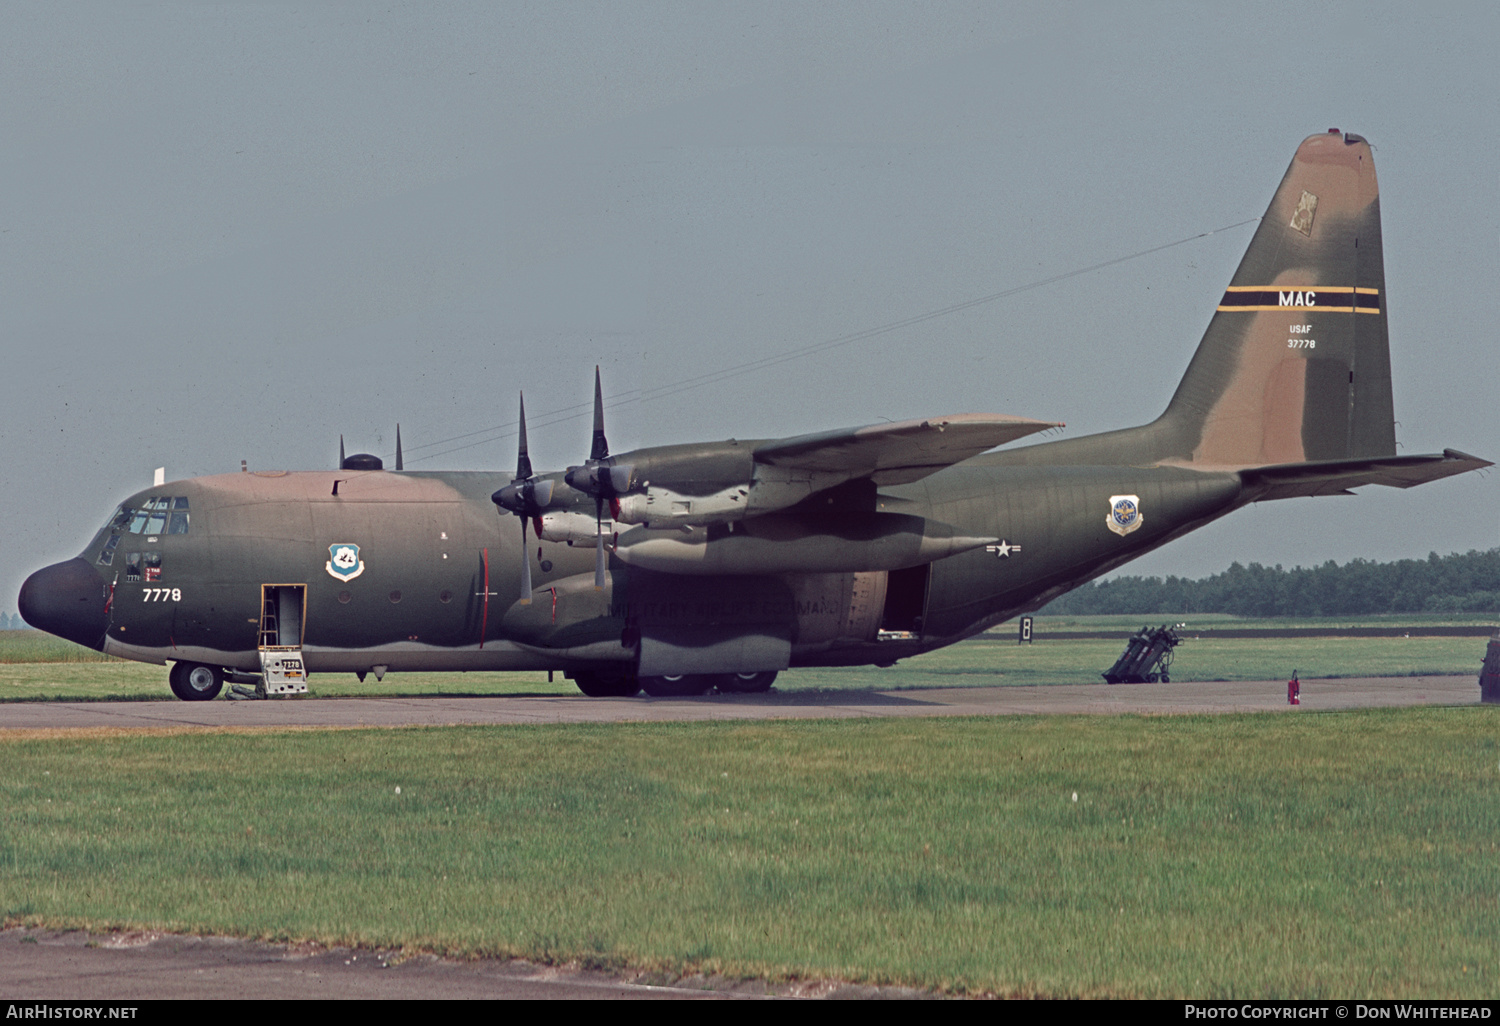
(195, 682)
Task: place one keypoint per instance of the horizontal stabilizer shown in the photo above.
(1334, 477)
(892, 454)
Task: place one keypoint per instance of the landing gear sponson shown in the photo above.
(623, 685)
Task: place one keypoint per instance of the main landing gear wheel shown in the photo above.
(745, 683)
(195, 682)
(679, 686)
(607, 685)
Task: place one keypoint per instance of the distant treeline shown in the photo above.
(11, 623)
(1467, 583)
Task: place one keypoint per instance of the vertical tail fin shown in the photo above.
(1291, 385)
(1295, 365)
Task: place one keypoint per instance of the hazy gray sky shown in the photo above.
(235, 231)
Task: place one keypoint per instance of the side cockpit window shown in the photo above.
(152, 517)
(178, 524)
(134, 562)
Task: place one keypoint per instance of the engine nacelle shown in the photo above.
(664, 506)
(665, 501)
(848, 543)
(573, 528)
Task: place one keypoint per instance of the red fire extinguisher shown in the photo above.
(1294, 690)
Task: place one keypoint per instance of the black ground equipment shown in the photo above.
(1489, 674)
(1146, 657)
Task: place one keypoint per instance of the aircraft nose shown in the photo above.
(67, 599)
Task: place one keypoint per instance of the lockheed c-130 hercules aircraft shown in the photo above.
(716, 565)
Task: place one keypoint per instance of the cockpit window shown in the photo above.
(158, 514)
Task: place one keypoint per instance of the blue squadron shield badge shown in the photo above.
(344, 562)
(1124, 514)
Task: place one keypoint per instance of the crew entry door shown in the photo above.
(282, 609)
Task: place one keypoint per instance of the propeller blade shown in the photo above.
(525, 566)
(599, 558)
(341, 452)
(398, 446)
(600, 450)
(523, 457)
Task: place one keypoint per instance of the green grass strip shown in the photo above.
(1314, 855)
(33, 646)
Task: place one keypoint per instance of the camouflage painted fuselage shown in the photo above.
(440, 571)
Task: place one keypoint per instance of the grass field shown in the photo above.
(1210, 621)
(983, 661)
(1332, 854)
(33, 646)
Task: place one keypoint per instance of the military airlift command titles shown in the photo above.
(1390, 1010)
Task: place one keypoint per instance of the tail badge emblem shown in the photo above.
(1302, 219)
(1124, 514)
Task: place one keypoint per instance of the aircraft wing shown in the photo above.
(1333, 477)
(897, 453)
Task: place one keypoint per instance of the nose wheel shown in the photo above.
(195, 682)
